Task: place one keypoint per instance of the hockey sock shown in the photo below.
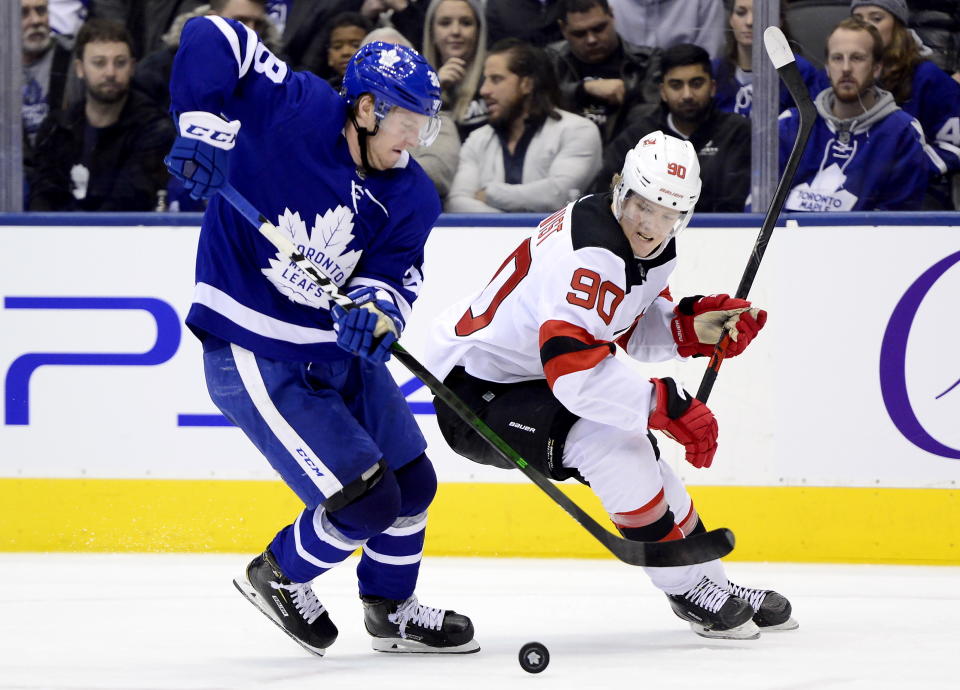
(311, 545)
(390, 562)
(320, 539)
(653, 521)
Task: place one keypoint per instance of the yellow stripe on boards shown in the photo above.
(801, 524)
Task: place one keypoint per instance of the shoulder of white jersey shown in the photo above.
(241, 39)
(592, 224)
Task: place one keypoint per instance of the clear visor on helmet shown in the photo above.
(413, 129)
(658, 219)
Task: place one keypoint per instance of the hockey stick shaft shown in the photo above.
(783, 59)
(697, 549)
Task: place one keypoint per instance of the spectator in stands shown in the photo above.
(663, 23)
(455, 39)
(531, 156)
(601, 76)
(147, 20)
(46, 64)
(152, 76)
(406, 16)
(919, 87)
(439, 160)
(533, 21)
(688, 111)
(344, 36)
(106, 152)
(864, 153)
(734, 71)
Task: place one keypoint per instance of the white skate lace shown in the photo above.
(708, 594)
(413, 612)
(753, 596)
(304, 598)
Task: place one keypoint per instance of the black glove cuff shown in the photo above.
(685, 306)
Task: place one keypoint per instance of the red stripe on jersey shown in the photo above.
(665, 293)
(564, 329)
(578, 360)
(625, 337)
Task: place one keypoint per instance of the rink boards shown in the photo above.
(839, 436)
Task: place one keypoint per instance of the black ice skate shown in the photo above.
(771, 610)
(408, 626)
(713, 612)
(293, 606)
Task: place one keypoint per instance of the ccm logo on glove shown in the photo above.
(700, 321)
(208, 127)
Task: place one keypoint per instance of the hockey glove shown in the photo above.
(200, 154)
(684, 419)
(369, 329)
(699, 322)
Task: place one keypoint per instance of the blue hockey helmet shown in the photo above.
(395, 76)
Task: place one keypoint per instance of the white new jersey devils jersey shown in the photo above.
(558, 308)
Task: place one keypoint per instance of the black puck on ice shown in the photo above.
(534, 657)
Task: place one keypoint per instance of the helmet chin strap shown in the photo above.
(362, 134)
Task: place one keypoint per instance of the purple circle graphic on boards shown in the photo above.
(893, 365)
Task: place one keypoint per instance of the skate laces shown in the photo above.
(754, 597)
(708, 594)
(411, 611)
(304, 598)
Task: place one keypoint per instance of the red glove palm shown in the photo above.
(700, 321)
(686, 420)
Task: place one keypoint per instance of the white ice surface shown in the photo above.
(138, 622)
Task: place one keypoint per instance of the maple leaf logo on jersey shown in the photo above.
(325, 246)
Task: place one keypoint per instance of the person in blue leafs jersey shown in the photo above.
(303, 378)
(734, 70)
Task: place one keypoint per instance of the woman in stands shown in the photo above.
(454, 42)
(920, 88)
(734, 71)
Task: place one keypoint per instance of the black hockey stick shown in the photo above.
(783, 59)
(695, 549)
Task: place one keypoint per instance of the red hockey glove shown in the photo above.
(700, 321)
(686, 420)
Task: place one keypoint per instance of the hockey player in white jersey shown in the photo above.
(304, 380)
(535, 354)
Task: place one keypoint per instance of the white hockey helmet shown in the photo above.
(664, 170)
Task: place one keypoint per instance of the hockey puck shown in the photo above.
(534, 657)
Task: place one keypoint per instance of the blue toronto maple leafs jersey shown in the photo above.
(292, 163)
(935, 102)
(736, 96)
(874, 164)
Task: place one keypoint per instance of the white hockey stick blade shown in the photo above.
(777, 47)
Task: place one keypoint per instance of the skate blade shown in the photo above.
(789, 624)
(250, 594)
(397, 645)
(747, 631)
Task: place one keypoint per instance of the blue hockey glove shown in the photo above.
(200, 154)
(369, 330)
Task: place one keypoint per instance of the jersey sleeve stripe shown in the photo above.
(391, 293)
(566, 348)
(252, 40)
(243, 64)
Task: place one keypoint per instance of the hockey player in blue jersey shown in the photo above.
(864, 152)
(303, 379)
